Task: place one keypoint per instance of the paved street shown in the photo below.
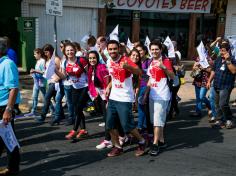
(194, 148)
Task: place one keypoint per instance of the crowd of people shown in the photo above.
(120, 80)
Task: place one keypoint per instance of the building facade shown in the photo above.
(79, 17)
(230, 27)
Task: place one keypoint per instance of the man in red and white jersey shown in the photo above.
(121, 97)
(159, 71)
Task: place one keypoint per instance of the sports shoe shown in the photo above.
(82, 133)
(104, 144)
(229, 124)
(154, 151)
(141, 149)
(218, 125)
(115, 152)
(101, 124)
(212, 119)
(162, 145)
(70, 135)
(123, 140)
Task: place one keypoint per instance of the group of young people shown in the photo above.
(118, 80)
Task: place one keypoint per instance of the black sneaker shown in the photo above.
(162, 145)
(154, 150)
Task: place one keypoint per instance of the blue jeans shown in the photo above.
(201, 98)
(68, 94)
(141, 111)
(122, 111)
(36, 90)
(51, 92)
(212, 101)
(59, 112)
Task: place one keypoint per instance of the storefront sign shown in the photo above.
(54, 7)
(172, 6)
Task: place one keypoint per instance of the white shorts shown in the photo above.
(158, 112)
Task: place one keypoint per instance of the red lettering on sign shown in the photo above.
(204, 4)
(119, 3)
(198, 5)
(183, 4)
(140, 3)
(151, 4)
(129, 4)
(190, 4)
(165, 4)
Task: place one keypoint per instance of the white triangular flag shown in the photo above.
(147, 43)
(170, 47)
(85, 39)
(129, 44)
(114, 34)
(202, 53)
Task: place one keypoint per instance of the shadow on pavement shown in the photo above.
(54, 164)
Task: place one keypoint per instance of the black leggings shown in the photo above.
(79, 99)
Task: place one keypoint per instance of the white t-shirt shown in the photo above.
(158, 80)
(122, 85)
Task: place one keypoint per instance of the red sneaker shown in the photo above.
(141, 149)
(70, 135)
(82, 133)
(115, 152)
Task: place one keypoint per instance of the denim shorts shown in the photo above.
(122, 111)
(158, 112)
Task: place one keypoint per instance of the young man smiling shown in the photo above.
(121, 97)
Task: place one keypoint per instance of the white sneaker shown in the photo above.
(212, 119)
(123, 140)
(229, 124)
(104, 144)
(101, 124)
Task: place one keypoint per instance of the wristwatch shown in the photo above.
(9, 109)
(228, 62)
